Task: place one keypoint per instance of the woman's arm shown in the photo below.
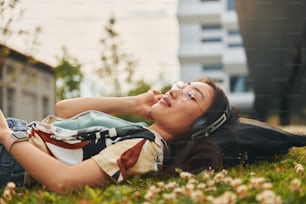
(139, 104)
(54, 174)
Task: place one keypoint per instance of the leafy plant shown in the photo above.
(117, 66)
(68, 76)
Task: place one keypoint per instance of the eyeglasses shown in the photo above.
(188, 93)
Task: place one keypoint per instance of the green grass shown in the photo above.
(254, 183)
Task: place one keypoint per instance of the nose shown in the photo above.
(174, 93)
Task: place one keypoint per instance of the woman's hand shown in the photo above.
(140, 104)
(146, 100)
(5, 131)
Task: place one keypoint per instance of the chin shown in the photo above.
(160, 116)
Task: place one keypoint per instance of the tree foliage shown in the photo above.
(68, 76)
(10, 14)
(141, 87)
(117, 67)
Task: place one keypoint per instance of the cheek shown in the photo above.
(157, 112)
(184, 118)
(179, 115)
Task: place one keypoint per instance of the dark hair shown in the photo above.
(196, 155)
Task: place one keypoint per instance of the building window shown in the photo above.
(211, 40)
(233, 32)
(209, 27)
(11, 72)
(234, 39)
(212, 67)
(239, 84)
(45, 106)
(10, 102)
(10, 69)
(230, 5)
(208, 0)
(233, 45)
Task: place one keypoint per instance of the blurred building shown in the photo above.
(274, 36)
(211, 45)
(27, 86)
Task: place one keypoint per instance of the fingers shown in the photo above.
(155, 91)
(156, 94)
(3, 123)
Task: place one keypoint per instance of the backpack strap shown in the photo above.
(47, 137)
(80, 138)
(112, 134)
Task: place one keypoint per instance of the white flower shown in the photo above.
(178, 191)
(299, 168)
(7, 195)
(267, 185)
(227, 197)
(190, 186)
(11, 186)
(236, 182)
(161, 184)
(171, 185)
(149, 195)
(228, 180)
(211, 185)
(186, 175)
(192, 181)
(208, 174)
(257, 182)
(201, 186)
(188, 189)
(242, 191)
(198, 196)
(219, 177)
(169, 196)
(9, 191)
(154, 189)
(295, 185)
(268, 197)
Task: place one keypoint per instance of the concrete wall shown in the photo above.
(28, 90)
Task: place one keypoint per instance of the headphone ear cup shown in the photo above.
(199, 124)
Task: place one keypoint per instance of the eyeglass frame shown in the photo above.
(180, 85)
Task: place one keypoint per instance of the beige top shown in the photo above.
(123, 159)
(131, 157)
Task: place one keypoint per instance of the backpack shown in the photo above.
(253, 141)
(85, 135)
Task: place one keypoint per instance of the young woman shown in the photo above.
(173, 114)
(194, 119)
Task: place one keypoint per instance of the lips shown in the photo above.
(165, 100)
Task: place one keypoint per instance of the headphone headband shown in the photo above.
(214, 125)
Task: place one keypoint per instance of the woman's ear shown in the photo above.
(198, 128)
(199, 124)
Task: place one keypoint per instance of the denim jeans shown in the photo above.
(10, 169)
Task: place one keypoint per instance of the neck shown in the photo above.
(165, 134)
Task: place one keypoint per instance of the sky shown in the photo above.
(148, 29)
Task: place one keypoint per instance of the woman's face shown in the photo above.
(181, 106)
